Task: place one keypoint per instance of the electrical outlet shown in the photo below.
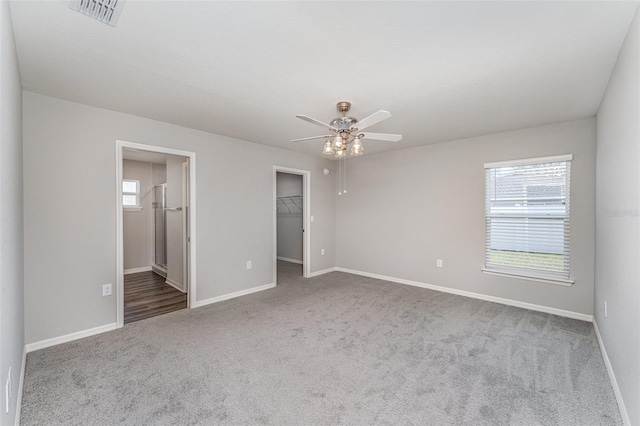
(106, 289)
(313, 218)
(605, 309)
(321, 252)
(439, 263)
(249, 264)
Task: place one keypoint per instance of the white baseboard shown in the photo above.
(70, 337)
(20, 386)
(175, 284)
(612, 377)
(322, 272)
(200, 303)
(510, 302)
(287, 259)
(136, 270)
(159, 270)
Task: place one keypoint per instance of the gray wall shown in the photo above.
(69, 256)
(617, 217)
(289, 223)
(11, 222)
(174, 219)
(159, 173)
(138, 225)
(405, 209)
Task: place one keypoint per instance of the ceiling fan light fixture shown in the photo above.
(356, 148)
(328, 149)
(346, 132)
(337, 142)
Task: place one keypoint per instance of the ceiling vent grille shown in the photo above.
(107, 11)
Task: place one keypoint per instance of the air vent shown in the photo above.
(107, 11)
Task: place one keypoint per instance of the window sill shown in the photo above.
(556, 281)
(132, 209)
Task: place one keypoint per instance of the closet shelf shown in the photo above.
(289, 196)
(293, 204)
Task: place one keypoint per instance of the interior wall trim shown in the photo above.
(322, 272)
(70, 337)
(612, 377)
(200, 303)
(175, 284)
(509, 302)
(136, 270)
(20, 386)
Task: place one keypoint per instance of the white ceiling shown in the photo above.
(445, 70)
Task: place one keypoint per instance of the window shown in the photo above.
(527, 218)
(131, 194)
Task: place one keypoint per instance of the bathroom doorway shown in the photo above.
(155, 211)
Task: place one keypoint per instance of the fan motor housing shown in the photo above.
(343, 123)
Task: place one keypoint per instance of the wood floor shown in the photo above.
(146, 295)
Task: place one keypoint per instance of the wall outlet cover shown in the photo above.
(106, 289)
(249, 264)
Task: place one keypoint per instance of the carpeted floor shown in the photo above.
(335, 349)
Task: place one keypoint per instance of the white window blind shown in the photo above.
(527, 217)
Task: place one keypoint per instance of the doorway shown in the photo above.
(155, 231)
(291, 218)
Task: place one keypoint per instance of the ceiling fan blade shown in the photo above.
(383, 137)
(374, 118)
(312, 137)
(314, 121)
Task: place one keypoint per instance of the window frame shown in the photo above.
(138, 205)
(533, 274)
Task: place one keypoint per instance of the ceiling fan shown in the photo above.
(347, 131)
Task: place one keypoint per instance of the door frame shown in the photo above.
(306, 220)
(191, 285)
(185, 226)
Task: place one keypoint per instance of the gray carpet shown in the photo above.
(335, 349)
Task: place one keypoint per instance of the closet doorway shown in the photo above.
(155, 212)
(291, 223)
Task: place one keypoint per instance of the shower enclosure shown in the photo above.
(160, 228)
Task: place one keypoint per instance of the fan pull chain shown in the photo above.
(344, 189)
(342, 176)
(339, 176)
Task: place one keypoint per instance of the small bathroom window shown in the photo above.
(131, 195)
